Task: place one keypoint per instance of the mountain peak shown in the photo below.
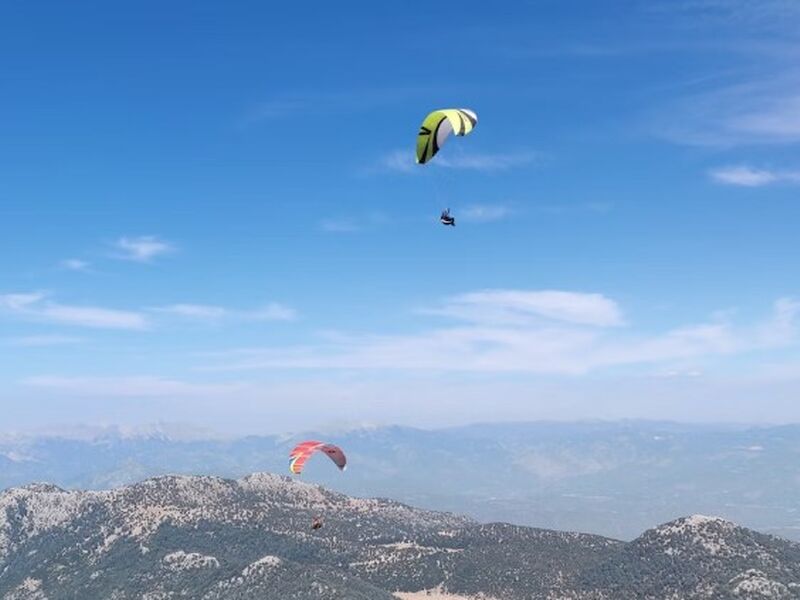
(699, 533)
(40, 488)
(698, 521)
(695, 524)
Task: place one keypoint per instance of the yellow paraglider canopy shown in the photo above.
(438, 126)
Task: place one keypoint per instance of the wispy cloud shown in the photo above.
(74, 264)
(782, 328)
(272, 312)
(142, 248)
(764, 15)
(745, 176)
(132, 387)
(341, 225)
(193, 311)
(487, 162)
(403, 161)
(550, 332)
(751, 96)
(20, 302)
(269, 312)
(92, 316)
(34, 341)
(482, 213)
(749, 112)
(36, 306)
(678, 373)
(492, 307)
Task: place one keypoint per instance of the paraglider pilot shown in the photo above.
(446, 219)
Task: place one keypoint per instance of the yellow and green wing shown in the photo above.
(438, 126)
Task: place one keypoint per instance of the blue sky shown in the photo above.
(210, 213)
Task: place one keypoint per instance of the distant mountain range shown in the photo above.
(207, 538)
(615, 479)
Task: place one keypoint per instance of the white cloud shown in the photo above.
(745, 176)
(707, 339)
(32, 341)
(142, 248)
(678, 373)
(519, 306)
(755, 112)
(36, 306)
(92, 316)
(339, 225)
(270, 312)
(74, 264)
(194, 311)
(548, 332)
(778, 119)
(782, 328)
(400, 160)
(483, 213)
(19, 302)
(486, 162)
(132, 387)
(743, 14)
(403, 161)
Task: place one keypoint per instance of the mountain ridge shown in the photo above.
(611, 478)
(214, 538)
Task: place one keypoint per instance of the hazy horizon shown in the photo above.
(185, 431)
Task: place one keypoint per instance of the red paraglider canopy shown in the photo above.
(303, 451)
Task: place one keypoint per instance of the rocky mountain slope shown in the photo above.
(212, 539)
